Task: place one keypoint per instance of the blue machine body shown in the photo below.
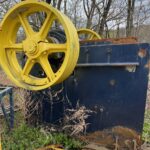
(109, 79)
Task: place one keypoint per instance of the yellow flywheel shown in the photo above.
(25, 33)
(87, 34)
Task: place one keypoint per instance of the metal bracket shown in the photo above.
(9, 118)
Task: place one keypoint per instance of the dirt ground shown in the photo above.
(4, 80)
(115, 138)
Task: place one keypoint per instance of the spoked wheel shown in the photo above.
(34, 46)
(87, 34)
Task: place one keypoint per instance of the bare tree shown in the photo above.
(106, 10)
(65, 6)
(75, 11)
(2, 1)
(5, 5)
(59, 4)
(89, 9)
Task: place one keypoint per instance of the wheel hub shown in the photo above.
(30, 47)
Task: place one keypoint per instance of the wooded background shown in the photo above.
(109, 18)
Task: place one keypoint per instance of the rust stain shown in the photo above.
(107, 137)
(128, 40)
(0, 28)
(147, 66)
(142, 53)
(112, 82)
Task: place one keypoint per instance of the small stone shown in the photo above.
(93, 146)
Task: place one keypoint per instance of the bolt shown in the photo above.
(33, 61)
(101, 109)
(109, 50)
(45, 53)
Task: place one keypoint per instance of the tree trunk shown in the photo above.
(48, 1)
(130, 13)
(59, 4)
(54, 3)
(89, 9)
(118, 31)
(65, 6)
(89, 22)
(104, 17)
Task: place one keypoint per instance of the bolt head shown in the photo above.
(45, 53)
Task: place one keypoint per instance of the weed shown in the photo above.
(146, 130)
(29, 138)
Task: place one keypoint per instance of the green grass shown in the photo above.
(29, 138)
(146, 130)
(24, 137)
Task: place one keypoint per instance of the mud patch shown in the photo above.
(128, 40)
(119, 138)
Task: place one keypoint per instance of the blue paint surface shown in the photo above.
(111, 80)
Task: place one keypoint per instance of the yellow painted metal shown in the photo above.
(0, 143)
(89, 34)
(36, 47)
(51, 147)
(76, 52)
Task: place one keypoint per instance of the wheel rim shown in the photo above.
(88, 34)
(36, 47)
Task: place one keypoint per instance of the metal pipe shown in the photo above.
(107, 64)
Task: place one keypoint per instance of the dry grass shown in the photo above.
(75, 120)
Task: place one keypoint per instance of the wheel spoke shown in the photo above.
(47, 25)
(53, 48)
(91, 37)
(28, 66)
(43, 60)
(15, 47)
(25, 24)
